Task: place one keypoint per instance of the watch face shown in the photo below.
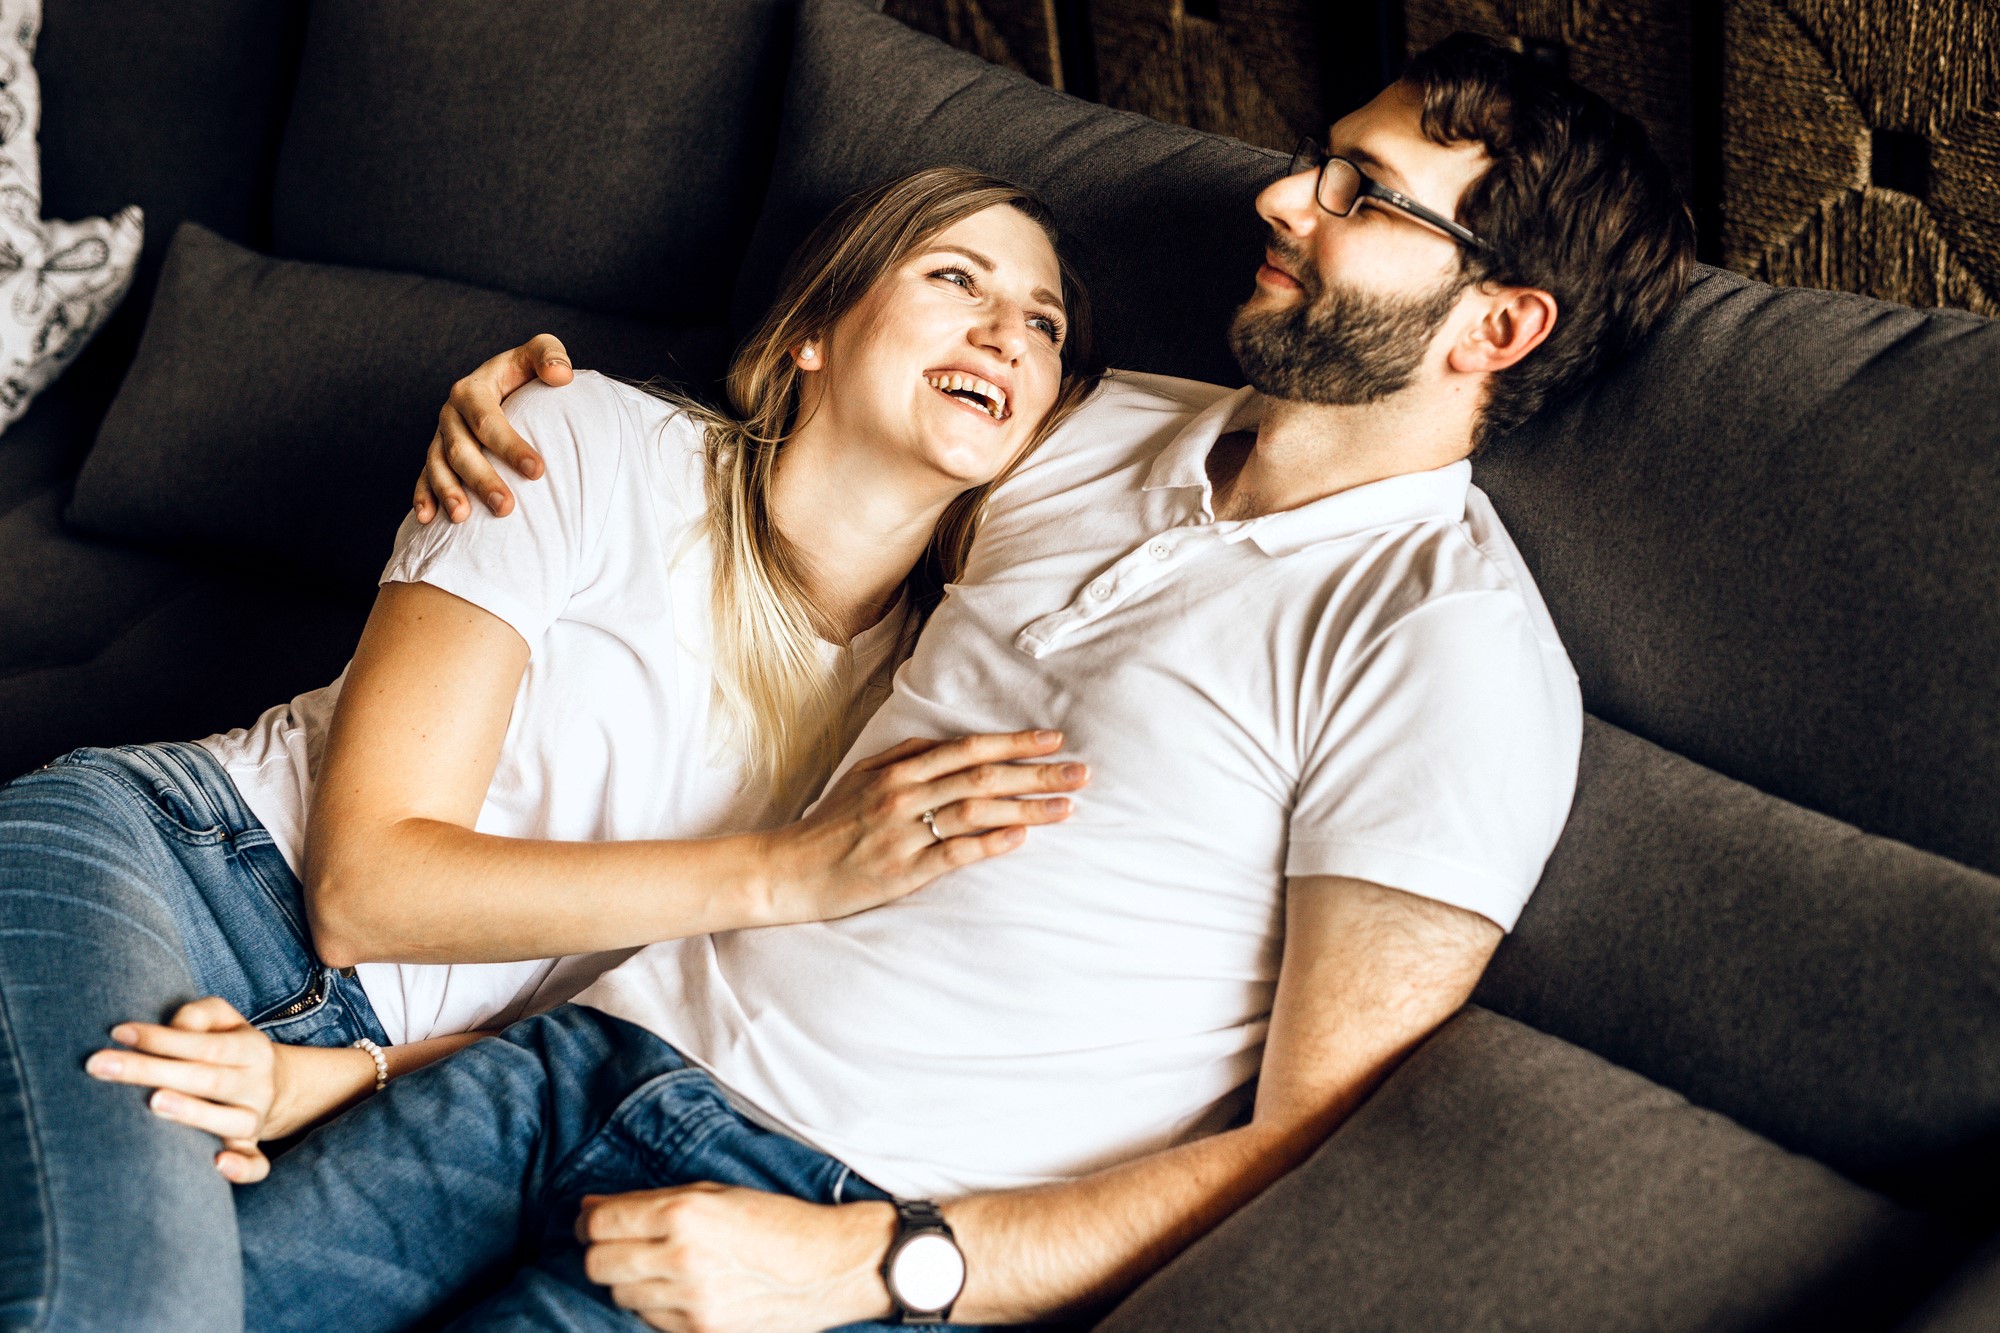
(927, 1272)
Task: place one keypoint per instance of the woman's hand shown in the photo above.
(866, 842)
(216, 1072)
(471, 422)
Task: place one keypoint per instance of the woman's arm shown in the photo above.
(395, 872)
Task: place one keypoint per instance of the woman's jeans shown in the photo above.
(133, 880)
(454, 1192)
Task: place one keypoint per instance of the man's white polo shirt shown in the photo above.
(1367, 686)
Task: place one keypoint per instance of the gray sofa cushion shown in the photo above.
(1157, 217)
(605, 155)
(1832, 990)
(1968, 1303)
(1769, 541)
(107, 645)
(1502, 1179)
(282, 408)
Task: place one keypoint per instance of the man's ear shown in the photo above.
(1516, 322)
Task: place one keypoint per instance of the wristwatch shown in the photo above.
(925, 1269)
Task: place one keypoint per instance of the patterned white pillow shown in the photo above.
(59, 281)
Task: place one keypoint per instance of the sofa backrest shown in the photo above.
(1770, 541)
(1156, 218)
(607, 156)
(1765, 541)
(176, 108)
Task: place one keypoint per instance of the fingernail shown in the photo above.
(161, 1102)
(495, 499)
(1074, 772)
(1014, 836)
(1059, 807)
(1047, 737)
(104, 1064)
(125, 1034)
(531, 466)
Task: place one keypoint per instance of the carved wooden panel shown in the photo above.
(1020, 34)
(1861, 147)
(1246, 68)
(1637, 53)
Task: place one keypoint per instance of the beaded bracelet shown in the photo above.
(381, 1061)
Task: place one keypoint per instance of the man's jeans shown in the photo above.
(133, 880)
(455, 1191)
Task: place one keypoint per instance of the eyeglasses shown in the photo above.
(1341, 185)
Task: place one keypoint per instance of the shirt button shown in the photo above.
(1160, 550)
(1100, 590)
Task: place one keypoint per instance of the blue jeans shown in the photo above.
(451, 1196)
(133, 880)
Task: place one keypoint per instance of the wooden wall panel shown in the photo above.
(1861, 147)
(1637, 53)
(1020, 34)
(1850, 144)
(1246, 68)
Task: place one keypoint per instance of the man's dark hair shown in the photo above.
(1575, 202)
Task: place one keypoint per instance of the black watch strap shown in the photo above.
(916, 1217)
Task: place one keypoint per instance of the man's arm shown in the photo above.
(471, 422)
(1368, 973)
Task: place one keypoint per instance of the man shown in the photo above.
(1334, 738)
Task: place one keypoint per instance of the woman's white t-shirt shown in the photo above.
(604, 570)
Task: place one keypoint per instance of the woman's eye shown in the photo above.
(1048, 326)
(957, 277)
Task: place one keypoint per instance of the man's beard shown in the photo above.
(1339, 345)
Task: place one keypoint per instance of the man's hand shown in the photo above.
(471, 418)
(713, 1258)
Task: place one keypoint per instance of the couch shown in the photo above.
(1739, 1065)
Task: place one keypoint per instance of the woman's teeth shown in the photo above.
(972, 389)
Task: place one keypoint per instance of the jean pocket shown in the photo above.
(175, 813)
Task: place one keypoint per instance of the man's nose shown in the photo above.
(1287, 203)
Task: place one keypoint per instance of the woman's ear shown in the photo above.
(1516, 322)
(806, 356)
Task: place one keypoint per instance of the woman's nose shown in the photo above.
(1002, 332)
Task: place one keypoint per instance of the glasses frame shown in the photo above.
(1309, 154)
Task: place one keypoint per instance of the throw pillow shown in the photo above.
(280, 408)
(59, 280)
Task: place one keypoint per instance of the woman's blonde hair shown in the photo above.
(772, 688)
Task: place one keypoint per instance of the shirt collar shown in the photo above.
(1413, 497)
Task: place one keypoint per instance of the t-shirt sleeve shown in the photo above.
(524, 568)
(1444, 763)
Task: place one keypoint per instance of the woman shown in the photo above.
(563, 736)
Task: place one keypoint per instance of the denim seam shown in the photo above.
(594, 1148)
(49, 1270)
(301, 931)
